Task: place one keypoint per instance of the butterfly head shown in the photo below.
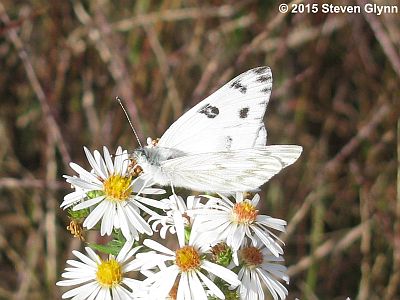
(140, 155)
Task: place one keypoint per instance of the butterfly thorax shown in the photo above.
(150, 159)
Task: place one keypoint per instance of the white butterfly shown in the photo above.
(220, 144)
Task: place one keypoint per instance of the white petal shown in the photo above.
(107, 158)
(167, 280)
(123, 222)
(272, 245)
(133, 284)
(93, 163)
(70, 282)
(196, 288)
(85, 175)
(147, 261)
(125, 162)
(158, 247)
(91, 287)
(183, 288)
(86, 185)
(211, 285)
(124, 251)
(84, 258)
(237, 236)
(239, 197)
(93, 255)
(136, 220)
(101, 163)
(81, 266)
(88, 203)
(94, 294)
(221, 272)
(118, 161)
(71, 198)
(95, 215)
(74, 273)
(107, 221)
(274, 223)
(139, 205)
(86, 290)
(255, 200)
(180, 228)
(274, 286)
(122, 293)
(151, 202)
(153, 191)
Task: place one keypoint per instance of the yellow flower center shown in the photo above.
(109, 273)
(251, 256)
(244, 212)
(187, 258)
(117, 187)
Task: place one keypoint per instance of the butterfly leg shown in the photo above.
(173, 190)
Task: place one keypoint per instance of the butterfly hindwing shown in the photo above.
(227, 171)
(229, 119)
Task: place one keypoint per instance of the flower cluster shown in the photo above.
(224, 248)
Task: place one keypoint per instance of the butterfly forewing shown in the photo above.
(229, 119)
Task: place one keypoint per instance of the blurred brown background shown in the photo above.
(336, 93)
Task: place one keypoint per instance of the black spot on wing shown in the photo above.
(239, 86)
(264, 78)
(209, 111)
(260, 70)
(244, 112)
(266, 90)
(228, 142)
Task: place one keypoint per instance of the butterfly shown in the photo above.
(219, 145)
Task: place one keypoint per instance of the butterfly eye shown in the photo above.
(138, 152)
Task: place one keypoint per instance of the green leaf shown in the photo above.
(112, 247)
(94, 194)
(78, 215)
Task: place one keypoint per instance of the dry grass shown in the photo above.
(336, 93)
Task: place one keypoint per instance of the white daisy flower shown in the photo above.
(232, 222)
(259, 267)
(116, 201)
(184, 270)
(174, 204)
(100, 279)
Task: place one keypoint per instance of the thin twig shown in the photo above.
(383, 39)
(333, 164)
(365, 246)
(98, 32)
(27, 274)
(52, 125)
(50, 216)
(16, 183)
(170, 15)
(256, 42)
(88, 103)
(330, 246)
(394, 281)
(173, 98)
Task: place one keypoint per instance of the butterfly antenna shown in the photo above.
(129, 120)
